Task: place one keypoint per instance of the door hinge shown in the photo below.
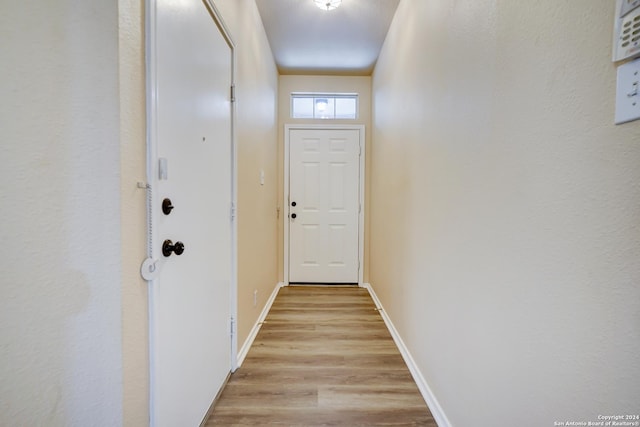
(360, 149)
(233, 212)
(233, 93)
(360, 208)
(232, 326)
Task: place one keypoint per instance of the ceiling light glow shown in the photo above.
(322, 104)
(327, 4)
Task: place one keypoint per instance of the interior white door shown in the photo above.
(324, 185)
(190, 304)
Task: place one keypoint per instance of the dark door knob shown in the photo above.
(168, 247)
(178, 248)
(293, 204)
(293, 216)
(167, 207)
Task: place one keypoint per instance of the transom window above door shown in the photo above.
(324, 106)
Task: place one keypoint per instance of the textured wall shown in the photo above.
(322, 84)
(60, 295)
(256, 93)
(133, 149)
(504, 239)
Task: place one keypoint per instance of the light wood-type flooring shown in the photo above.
(323, 357)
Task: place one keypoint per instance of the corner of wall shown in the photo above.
(246, 346)
(135, 327)
(427, 394)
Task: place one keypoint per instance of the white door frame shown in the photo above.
(285, 212)
(151, 142)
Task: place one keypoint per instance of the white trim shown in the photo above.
(151, 137)
(233, 294)
(286, 205)
(285, 212)
(425, 390)
(256, 328)
(363, 156)
(217, 18)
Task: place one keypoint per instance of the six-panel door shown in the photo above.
(324, 173)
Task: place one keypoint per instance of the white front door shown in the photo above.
(191, 165)
(324, 203)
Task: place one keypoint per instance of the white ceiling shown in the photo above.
(307, 40)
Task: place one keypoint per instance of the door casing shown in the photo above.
(286, 211)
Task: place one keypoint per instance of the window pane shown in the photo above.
(325, 108)
(302, 108)
(345, 108)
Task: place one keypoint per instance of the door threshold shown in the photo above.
(326, 285)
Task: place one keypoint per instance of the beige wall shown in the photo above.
(135, 327)
(504, 209)
(256, 93)
(61, 355)
(322, 84)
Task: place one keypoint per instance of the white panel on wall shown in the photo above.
(628, 92)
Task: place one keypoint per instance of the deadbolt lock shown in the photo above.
(167, 207)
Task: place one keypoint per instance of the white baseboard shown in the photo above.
(425, 390)
(254, 331)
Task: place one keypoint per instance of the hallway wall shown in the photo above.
(504, 209)
(256, 120)
(60, 287)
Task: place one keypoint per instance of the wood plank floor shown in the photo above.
(323, 357)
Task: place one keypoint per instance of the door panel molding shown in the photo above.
(287, 202)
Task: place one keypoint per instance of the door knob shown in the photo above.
(293, 216)
(167, 207)
(168, 247)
